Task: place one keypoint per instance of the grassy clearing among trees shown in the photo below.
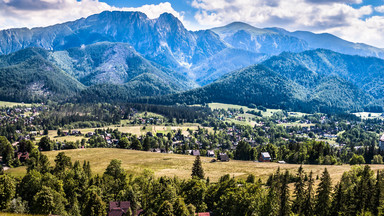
(180, 165)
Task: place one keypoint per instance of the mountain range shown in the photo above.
(125, 56)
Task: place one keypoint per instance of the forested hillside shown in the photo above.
(27, 76)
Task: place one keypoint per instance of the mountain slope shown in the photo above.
(243, 36)
(331, 42)
(309, 81)
(163, 40)
(27, 76)
(114, 63)
(367, 73)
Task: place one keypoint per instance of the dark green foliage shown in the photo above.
(285, 208)
(7, 191)
(323, 194)
(299, 192)
(27, 75)
(197, 169)
(7, 152)
(243, 151)
(45, 144)
(48, 201)
(93, 203)
(63, 163)
(166, 209)
(309, 201)
(357, 159)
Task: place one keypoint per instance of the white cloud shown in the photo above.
(40, 13)
(336, 17)
(380, 9)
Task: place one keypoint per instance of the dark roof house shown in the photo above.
(195, 152)
(118, 208)
(223, 157)
(265, 157)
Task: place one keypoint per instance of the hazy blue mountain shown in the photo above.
(225, 61)
(334, 43)
(243, 36)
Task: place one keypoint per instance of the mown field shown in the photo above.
(12, 104)
(14, 214)
(180, 165)
(136, 130)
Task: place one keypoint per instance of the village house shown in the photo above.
(195, 152)
(381, 143)
(210, 153)
(121, 208)
(223, 157)
(264, 157)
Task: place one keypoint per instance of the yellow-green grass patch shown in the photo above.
(178, 165)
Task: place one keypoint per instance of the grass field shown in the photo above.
(136, 130)
(14, 214)
(180, 165)
(368, 115)
(12, 104)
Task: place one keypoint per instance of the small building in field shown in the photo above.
(381, 143)
(156, 150)
(196, 152)
(265, 157)
(210, 153)
(76, 132)
(223, 157)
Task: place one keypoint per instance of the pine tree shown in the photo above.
(285, 208)
(338, 200)
(299, 192)
(323, 200)
(308, 201)
(197, 169)
(378, 198)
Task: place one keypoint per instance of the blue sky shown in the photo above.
(353, 20)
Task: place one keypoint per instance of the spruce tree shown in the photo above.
(299, 192)
(378, 197)
(338, 199)
(197, 169)
(323, 194)
(285, 208)
(308, 200)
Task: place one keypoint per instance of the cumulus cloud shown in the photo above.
(333, 16)
(39, 13)
(380, 9)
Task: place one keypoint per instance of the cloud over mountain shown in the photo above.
(348, 19)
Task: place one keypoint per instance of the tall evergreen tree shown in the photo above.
(308, 208)
(299, 193)
(285, 208)
(323, 194)
(197, 169)
(378, 199)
